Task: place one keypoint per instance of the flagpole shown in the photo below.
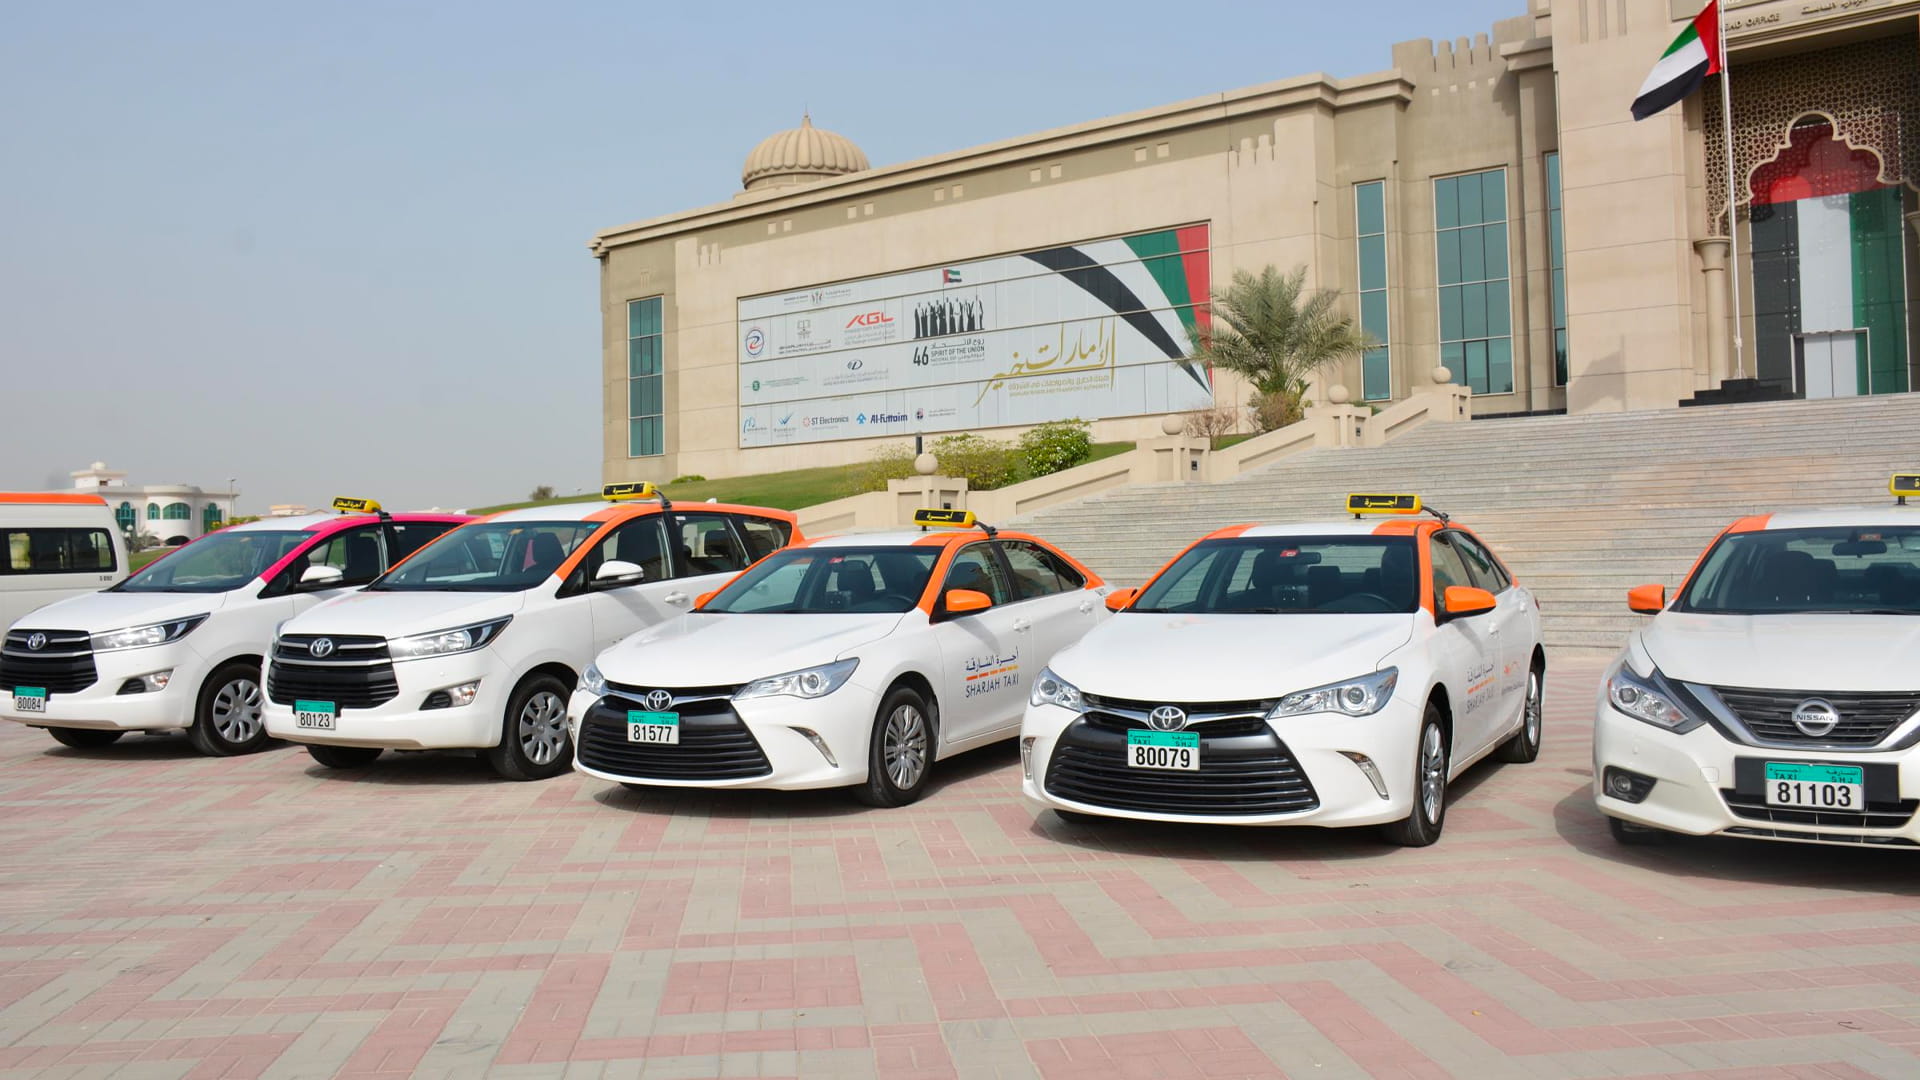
(1733, 197)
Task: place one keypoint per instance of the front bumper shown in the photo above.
(1699, 789)
(757, 743)
(402, 723)
(101, 706)
(1069, 751)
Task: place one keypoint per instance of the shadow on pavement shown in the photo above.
(139, 746)
(418, 767)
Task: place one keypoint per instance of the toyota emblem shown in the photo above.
(1815, 717)
(659, 700)
(1167, 718)
(36, 641)
(321, 648)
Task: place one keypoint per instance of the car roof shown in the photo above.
(1316, 528)
(321, 521)
(917, 538)
(50, 498)
(1888, 514)
(620, 511)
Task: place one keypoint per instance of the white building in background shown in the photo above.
(288, 510)
(170, 513)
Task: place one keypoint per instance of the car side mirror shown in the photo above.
(967, 601)
(322, 577)
(701, 600)
(617, 572)
(1461, 601)
(1118, 599)
(1647, 599)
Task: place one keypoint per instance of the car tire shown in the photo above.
(1631, 835)
(343, 757)
(226, 719)
(534, 741)
(1525, 744)
(84, 738)
(1422, 826)
(900, 750)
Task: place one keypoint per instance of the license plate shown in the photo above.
(658, 728)
(1164, 750)
(314, 715)
(30, 698)
(1816, 787)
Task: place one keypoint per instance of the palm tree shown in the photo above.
(1277, 336)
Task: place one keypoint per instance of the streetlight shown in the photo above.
(233, 501)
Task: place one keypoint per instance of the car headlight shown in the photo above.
(139, 637)
(1363, 696)
(813, 682)
(1648, 698)
(447, 642)
(1051, 689)
(593, 682)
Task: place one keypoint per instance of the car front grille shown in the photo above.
(356, 674)
(1831, 838)
(1866, 719)
(1877, 815)
(1214, 718)
(714, 743)
(1240, 774)
(63, 664)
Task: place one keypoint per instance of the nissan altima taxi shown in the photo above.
(1775, 696)
(853, 661)
(1336, 673)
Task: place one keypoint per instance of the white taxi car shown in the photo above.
(476, 641)
(179, 643)
(1776, 695)
(1337, 673)
(853, 660)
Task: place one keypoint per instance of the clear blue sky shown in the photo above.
(341, 248)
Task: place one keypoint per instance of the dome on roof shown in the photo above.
(801, 156)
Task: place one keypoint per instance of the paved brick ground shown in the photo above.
(166, 915)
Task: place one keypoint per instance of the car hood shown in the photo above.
(728, 650)
(1786, 652)
(95, 612)
(1151, 657)
(398, 614)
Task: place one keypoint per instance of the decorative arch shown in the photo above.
(1813, 160)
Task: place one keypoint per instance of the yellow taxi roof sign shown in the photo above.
(1383, 504)
(1904, 484)
(944, 519)
(621, 492)
(356, 506)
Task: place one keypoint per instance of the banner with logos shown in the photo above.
(1091, 330)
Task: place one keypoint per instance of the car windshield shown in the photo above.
(216, 563)
(838, 580)
(1288, 574)
(491, 556)
(1868, 570)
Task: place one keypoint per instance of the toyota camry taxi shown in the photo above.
(1336, 673)
(852, 660)
(476, 641)
(179, 643)
(1776, 696)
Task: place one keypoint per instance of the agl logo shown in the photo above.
(871, 318)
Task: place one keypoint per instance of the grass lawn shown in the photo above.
(780, 490)
(141, 558)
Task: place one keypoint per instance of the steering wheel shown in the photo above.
(1361, 603)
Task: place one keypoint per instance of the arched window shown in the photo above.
(125, 516)
(178, 512)
(210, 517)
(153, 511)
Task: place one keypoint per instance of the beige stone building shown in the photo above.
(1485, 204)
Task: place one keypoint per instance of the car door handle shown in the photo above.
(677, 599)
(1021, 626)
(1086, 606)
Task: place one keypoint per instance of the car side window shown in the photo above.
(707, 545)
(1481, 567)
(641, 542)
(358, 553)
(406, 537)
(976, 568)
(1448, 570)
(1039, 572)
(763, 536)
(56, 551)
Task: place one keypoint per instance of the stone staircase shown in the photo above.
(1580, 507)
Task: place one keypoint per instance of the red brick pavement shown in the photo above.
(168, 915)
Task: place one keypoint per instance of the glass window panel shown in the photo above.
(1450, 313)
(1473, 259)
(1493, 195)
(1499, 310)
(1448, 246)
(1453, 357)
(1495, 244)
(1446, 206)
(1556, 243)
(1560, 298)
(636, 357)
(650, 349)
(1376, 377)
(1477, 366)
(650, 312)
(1553, 181)
(1559, 358)
(1468, 189)
(635, 325)
(1370, 208)
(1473, 311)
(1500, 366)
(1373, 314)
(1373, 262)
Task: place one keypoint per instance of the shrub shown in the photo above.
(887, 463)
(541, 493)
(1054, 446)
(1271, 412)
(1211, 424)
(690, 478)
(984, 463)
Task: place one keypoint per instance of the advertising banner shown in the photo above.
(1089, 330)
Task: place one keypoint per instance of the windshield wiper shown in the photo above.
(1877, 611)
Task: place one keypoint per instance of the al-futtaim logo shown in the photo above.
(881, 418)
(755, 341)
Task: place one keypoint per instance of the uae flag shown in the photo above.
(1693, 56)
